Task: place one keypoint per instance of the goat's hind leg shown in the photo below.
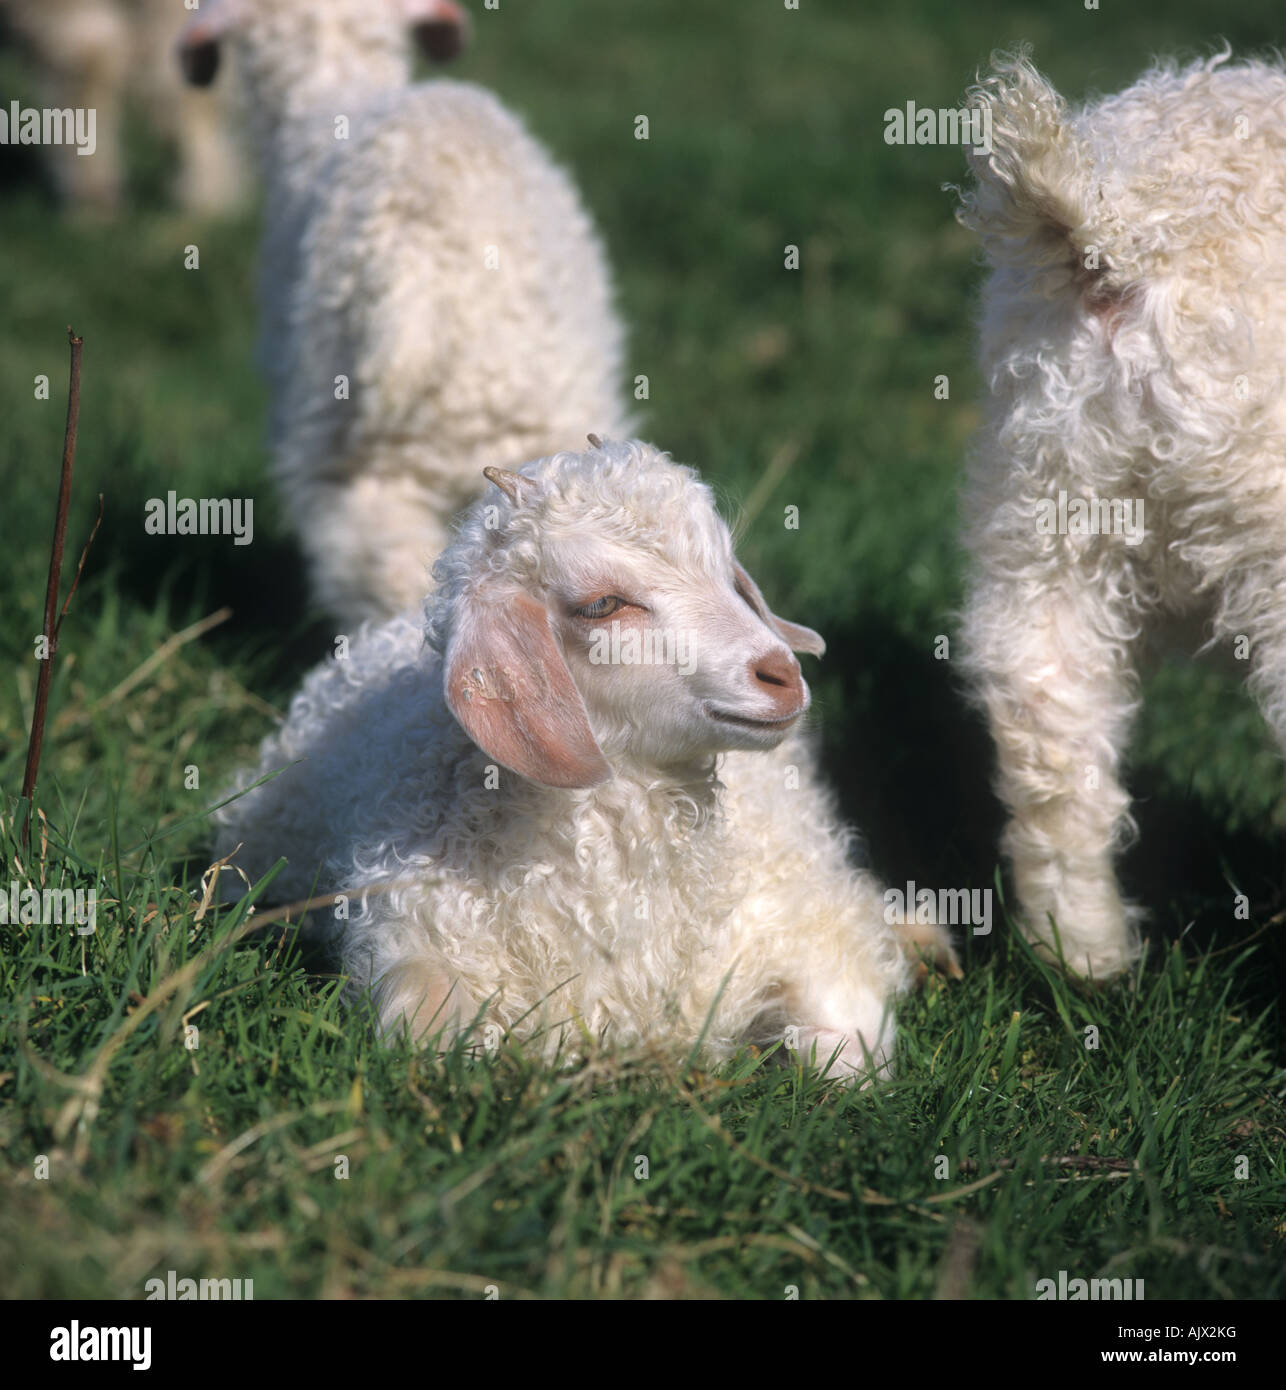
(1059, 691)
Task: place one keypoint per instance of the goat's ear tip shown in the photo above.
(198, 60)
(440, 27)
(802, 639)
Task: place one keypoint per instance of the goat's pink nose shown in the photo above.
(777, 676)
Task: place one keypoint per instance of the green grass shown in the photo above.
(812, 389)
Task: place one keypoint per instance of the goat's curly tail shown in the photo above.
(1037, 203)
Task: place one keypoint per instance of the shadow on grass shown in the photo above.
(272, 626)
(914, 766)
(911, 762)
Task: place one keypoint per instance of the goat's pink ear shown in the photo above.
(440, 27)
(795, 636)
(198, 45)
(508, 685)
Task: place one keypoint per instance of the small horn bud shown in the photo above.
(511, 484)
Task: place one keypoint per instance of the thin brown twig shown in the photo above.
(1274, 921)
(80, 565)
(52, 619)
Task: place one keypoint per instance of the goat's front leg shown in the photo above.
(927, 945)
(840, 986)
(423, 998)
(846, 1032)
(1054, 672)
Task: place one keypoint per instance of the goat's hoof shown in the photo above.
(928, 948)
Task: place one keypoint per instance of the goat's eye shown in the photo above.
(601, 607)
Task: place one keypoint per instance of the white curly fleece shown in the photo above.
(435, 296)
(1133, 337)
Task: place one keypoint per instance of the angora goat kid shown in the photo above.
(1133, 465)
(95, 55)
(435, 297)
(586, 802)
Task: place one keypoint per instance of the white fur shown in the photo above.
(1133, 337)
(92, 55)
(697, 881)
(437, 260)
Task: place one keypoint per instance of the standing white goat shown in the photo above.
(586, 800)
(435, 297)
(1131, 469)
(91, 55)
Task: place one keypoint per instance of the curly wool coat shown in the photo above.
(435, 297)
(1133, 336)
(676, 898)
